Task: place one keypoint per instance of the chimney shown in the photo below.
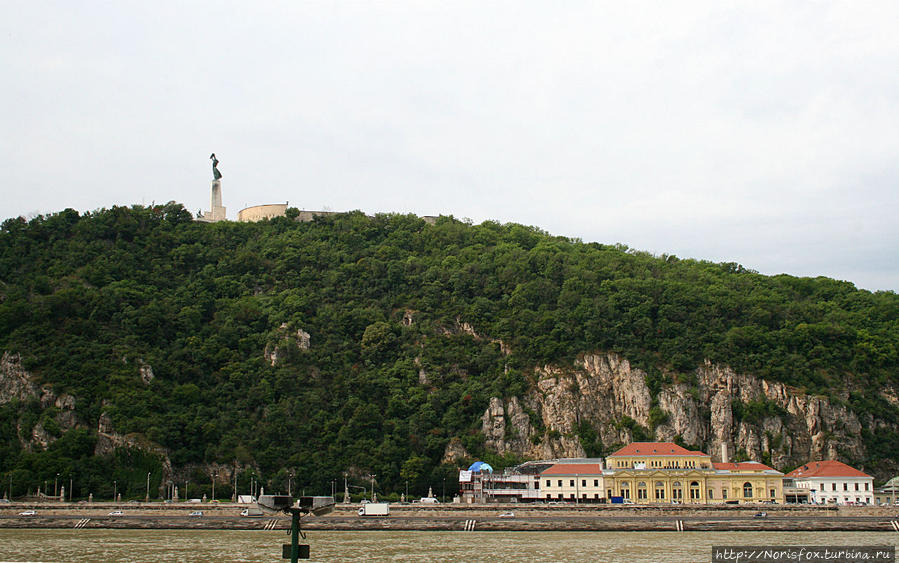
(724, 458)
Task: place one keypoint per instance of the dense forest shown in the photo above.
(88, 300)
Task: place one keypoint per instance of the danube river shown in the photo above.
(159, 546)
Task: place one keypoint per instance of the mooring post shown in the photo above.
(294, 535)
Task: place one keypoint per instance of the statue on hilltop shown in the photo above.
(216, 175)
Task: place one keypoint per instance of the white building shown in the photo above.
(573, 482)
(833, 482)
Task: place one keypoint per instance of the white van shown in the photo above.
(429, 500)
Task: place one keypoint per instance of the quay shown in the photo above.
(456, 517)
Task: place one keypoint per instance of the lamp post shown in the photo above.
(70, 488)
(148, 487)
(115, 490)
(444, 490)
(55, 487)
(372, 477)
(289, 480)
(214, 475)
(186, 484)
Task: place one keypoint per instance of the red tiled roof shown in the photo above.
(742, 466)
(655, 448)
(574, 469)
(826, 468)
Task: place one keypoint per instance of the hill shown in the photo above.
(137, 340)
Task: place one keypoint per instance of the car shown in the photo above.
(116, 513)
(196, 513)
(507, 515)
(4, 501)
(28, 513)
(760, 515)
(364, 501)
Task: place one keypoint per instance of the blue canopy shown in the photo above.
(480, 466)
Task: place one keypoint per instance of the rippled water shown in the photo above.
(214, 545)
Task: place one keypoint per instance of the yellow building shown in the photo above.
(663, 472)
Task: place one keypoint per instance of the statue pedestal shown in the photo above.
(217, 211)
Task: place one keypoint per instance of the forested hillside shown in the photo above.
(192, 337)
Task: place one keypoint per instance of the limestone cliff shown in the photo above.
(603, 392)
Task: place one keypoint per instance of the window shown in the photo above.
(866, 486)
(571, 496)
(856, 486)
(595, 495)
(560, 483)
(584, 496)
(833, 486)
(548, 483)
(548, 496)
(660, 490)
(773, 493)
(845, 486)
(711, 494)
(747, 490)
(583, 482)
(571, 482)
(822, 486)
(596, 482)
(537, 484)
(723, 494)
(561, 496)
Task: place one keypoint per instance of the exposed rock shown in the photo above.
(454, 452)
(15, 382)
(146, 372)
(407, 318)
(466, 328)
(277, 352)
(507, 427)
(602, 389)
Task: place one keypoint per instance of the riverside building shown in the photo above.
(834, 482)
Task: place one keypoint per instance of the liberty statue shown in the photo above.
(216, 175)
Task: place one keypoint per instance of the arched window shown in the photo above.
(660, 490)
(677, 491)
(694, 490)
(641, 490)
(747, 490)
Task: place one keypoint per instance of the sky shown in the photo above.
(763, 133)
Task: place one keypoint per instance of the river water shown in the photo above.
(158, 546)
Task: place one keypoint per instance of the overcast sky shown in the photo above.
(755, 132)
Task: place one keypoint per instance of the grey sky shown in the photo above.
(755, 132)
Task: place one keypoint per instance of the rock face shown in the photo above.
(607, 395)
(18, 384)
(287, 343)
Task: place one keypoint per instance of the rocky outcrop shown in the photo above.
(285, 344)
(17, 384)
(455, 452)
(604, 393)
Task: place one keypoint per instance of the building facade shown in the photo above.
(573, 482)
(834, 482)
(663, 472)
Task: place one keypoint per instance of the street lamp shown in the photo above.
(289, 480)
(186, 484)
(372, 477)
(70, 488)
(55, 488)
(148, 487)
(214, 475)
(115, 490)
(444, 490)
